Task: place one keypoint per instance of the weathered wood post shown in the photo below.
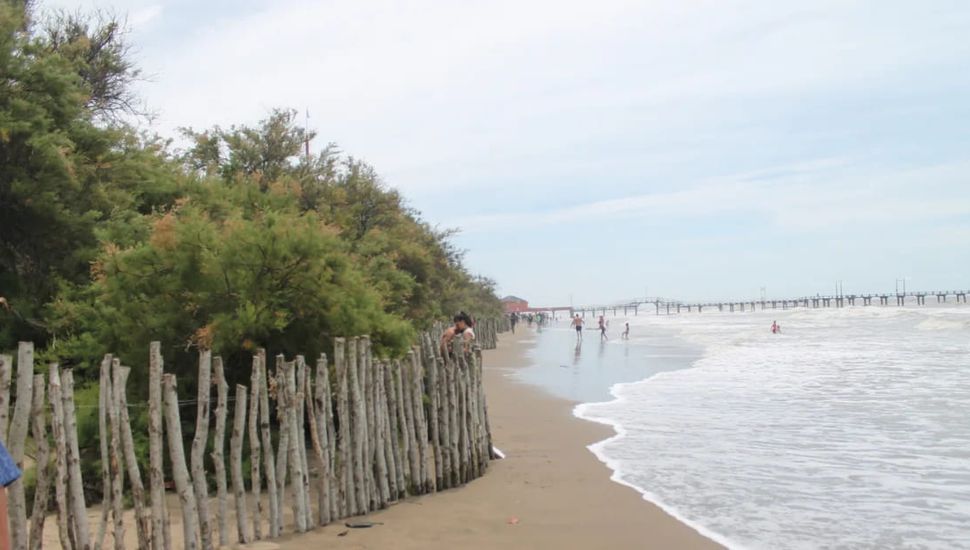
(378, 400)
(78, 517)
(180, 471)
(60, 448)
(399, 442)
(365, 378)
(322, 425)
(17, 439)
(421, 423)
(301, 397)
(197, 451)
(269, 461)
(235, 462)
(278, 383)
(117, 472)
(104, 403)
(406, 421)
(161, 536)
(44, 470)
(295, 439)
(142, 519)
(359, 420)
(6, 368)
(435, 420)
(255, 447)
(346, 502)
(218, 448)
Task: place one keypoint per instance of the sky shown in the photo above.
(595, 152)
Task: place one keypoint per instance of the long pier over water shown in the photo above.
(661, 306)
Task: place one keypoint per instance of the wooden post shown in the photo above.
(320, 433)
(78, 516)
(282, 451)
(254, 447)
(366, 380)
(115, 460)
(360, 428)
(295, 462)
(60, 451)
(406, 422)
(142, 519)
(235, 462)
(161, 536)
(269, 461)
(104, 400)
(218, 448)
(382, 472)
(6, 366)
(346, 502)
(396, 428)
(43, 488)
(179, 469)
(19, 425)
(301, 397)
(431, 369)
(420, 420)
(197, 452)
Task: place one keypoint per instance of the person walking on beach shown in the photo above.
(603, 328)
(513, 319)
(626, 332)
(462, 327)
(578, 323)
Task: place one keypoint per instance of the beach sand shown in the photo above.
(549, 492)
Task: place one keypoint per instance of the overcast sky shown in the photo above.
(598, 151)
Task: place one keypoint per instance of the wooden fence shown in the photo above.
(353, 434)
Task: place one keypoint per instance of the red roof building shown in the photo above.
(514, 304)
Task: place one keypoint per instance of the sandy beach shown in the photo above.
(550, 491)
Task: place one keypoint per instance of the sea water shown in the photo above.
(850, 429)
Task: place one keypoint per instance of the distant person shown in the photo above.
(462, 327)
(775, 327)
(513, 319)
(603, 328)
(9, 472)
(578, 323)
(626, 332)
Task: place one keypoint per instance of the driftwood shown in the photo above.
(235, 461)
(180, 471)
(218, 448)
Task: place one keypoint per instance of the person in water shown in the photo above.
(578, 323)
(775, 327)
(462, 327)
(626, 332)
(603, 328)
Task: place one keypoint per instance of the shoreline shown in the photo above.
(551, 491)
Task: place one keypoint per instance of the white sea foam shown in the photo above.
(848, 430)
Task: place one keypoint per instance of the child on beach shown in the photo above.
(775, 327)
(626, 332)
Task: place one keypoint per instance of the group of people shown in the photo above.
(578, 322)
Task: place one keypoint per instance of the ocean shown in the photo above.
(849, 429)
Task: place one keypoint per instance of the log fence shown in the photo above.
(356, 433)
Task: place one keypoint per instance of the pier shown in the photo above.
(663, 306)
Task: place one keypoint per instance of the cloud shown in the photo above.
(144, 15)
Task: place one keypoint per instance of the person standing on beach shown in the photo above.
(603, 328)
(9, 472)
(462, 327)
(626, 332)
(775, 327)
(513, 319)
(578, 323)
